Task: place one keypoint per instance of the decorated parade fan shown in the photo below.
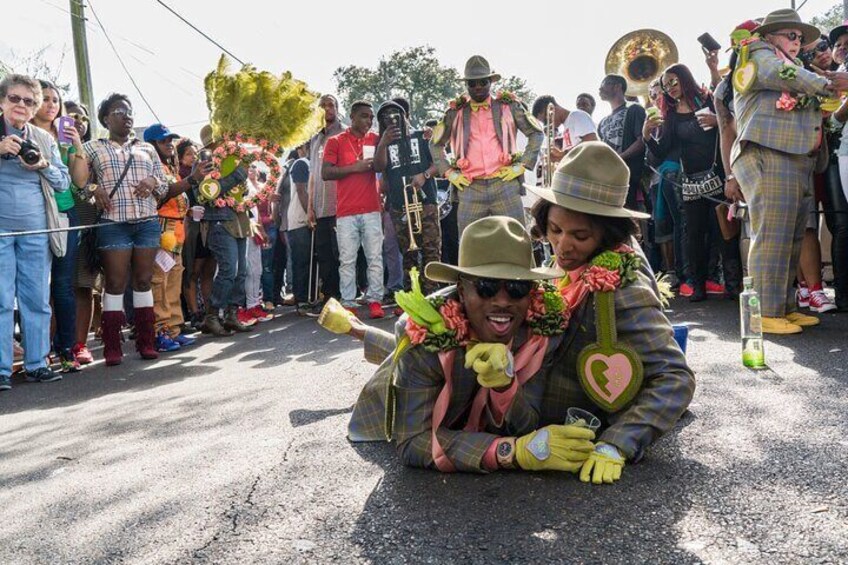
(254, 114)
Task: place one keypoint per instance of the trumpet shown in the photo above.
(412, 207)
(550, 133)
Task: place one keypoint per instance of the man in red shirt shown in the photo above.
(349, 160)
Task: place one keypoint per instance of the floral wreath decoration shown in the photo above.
(233, 152)
(439, 323)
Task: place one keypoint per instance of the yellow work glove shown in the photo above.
(511, 172)
(457, 179)
(603, 466)
(492, 362)
(554, 448)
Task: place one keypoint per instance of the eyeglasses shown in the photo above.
(15, 99)
(473, 83)
(822, 46)
(122, 113)
(489, 288)
(790, 35)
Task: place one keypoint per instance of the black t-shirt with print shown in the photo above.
(419, 161)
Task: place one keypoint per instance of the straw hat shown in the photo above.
(497, 247)
(591, 179)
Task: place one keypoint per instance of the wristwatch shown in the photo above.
(505, 452)
(91, 188)
(427, 175)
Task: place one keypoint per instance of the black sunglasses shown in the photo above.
(489, 288)
(790, 35)
(473, 83)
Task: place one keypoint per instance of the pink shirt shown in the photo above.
(484, 149)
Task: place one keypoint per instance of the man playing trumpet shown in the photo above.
(404, 158)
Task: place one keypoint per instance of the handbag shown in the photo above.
(56, 220)
(703, 184)
(88, 238)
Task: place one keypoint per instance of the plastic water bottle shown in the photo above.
(751, 321)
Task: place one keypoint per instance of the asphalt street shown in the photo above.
(234, 451)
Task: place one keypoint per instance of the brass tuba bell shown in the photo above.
(640, 56)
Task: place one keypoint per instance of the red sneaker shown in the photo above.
(82, 354)
(245, 317)
(375, 310)
(686, 290)
(260, 315)
(715, 288)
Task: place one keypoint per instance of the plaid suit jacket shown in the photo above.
(759, 121)
(418, 379)
(523, 123)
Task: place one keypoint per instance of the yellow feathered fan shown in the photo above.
(257, 104)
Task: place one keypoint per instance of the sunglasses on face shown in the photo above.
(489, 288)
(478, 82)
(15, 99)
(121, 113)
(790, 35)
(670, 83)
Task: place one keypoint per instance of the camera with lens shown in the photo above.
(29, 153)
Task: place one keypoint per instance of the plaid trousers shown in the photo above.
(490, 197)
(775, 185)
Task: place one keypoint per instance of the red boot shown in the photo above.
(144, 333)
(110, 326)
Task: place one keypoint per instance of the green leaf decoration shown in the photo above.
(416, 305)
(278, 109)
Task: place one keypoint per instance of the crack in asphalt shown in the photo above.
(235, 510)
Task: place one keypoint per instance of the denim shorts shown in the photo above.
(140, 235)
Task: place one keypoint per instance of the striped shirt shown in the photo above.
(107, 160)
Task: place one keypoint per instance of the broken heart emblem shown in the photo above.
(744, 76)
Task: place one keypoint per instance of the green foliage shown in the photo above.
(830, 19)
(416, 74)
(279, 109)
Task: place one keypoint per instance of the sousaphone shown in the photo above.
(640, 56)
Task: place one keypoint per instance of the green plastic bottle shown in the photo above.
(751, 323)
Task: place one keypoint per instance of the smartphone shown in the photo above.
(204, 155)
(708, 42)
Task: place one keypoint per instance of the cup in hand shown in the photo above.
(197, 213)
(368, 151)
(702, 112)
(582, 418)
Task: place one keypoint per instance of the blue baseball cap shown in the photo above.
(158, 132)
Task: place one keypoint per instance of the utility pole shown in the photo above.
(845, 9)
(81, 55)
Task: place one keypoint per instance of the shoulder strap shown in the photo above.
(123, 174)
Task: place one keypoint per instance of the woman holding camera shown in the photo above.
(61, 289)
(30, 169)
(689, 124)
(130, 183)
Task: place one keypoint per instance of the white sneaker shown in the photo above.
(821, 302)
(802, 296)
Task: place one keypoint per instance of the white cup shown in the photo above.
(702, 112)
(368, 151)
(197, 213)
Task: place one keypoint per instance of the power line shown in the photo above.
(120, 60)
(195, 28)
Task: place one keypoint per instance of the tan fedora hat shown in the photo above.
(497, 247)
(591, 179)
(787, 18)
(478, 68)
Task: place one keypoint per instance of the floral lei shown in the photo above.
(236, 146)
(440, 324)
(612, 269)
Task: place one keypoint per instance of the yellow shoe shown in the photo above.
(780, 326)
(802, 320)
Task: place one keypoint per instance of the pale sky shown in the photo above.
(558, 47)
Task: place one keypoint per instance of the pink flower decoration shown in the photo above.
(454, 316)
(215, 174)
(599, 279)
(220, 203)
(537, 305)
(263, 143)
(417, 334)
(786, 102)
